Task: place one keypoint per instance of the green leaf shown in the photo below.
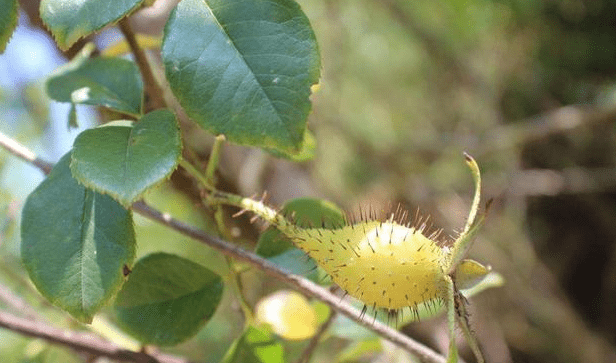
(491, 280)
(70, 20)
(256, 345)
(297, 262)
(75, 243)
(243, 68)
(8, 21)
(469, 273)
(167, 299)
(272, 243)
(306, 153)
(125, 159)
(110, 82)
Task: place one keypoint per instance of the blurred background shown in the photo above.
(528, 87)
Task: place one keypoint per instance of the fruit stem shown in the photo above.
(464, 242)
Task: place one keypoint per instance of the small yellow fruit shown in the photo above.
(289, 314)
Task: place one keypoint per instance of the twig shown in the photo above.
(304, 285)
(22, 152)
(153, 90)
(83, 342)
(18, 304)
(316, 339)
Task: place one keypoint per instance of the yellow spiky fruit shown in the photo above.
(383, 264)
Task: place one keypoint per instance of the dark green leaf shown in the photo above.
(297, 262)
(75, 243)
(110, 82)
(8, 21)
(255, 346)
(243, 68)
(125, 159)
(69, 20)
(272, 243)
(167, 299)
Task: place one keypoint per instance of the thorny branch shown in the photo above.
(304, 285)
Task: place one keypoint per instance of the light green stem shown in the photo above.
(268, 214)
(452, 357)
(468, 333)
(212, 164)
(234, 277)
(464, 242)
(236, 281)
(257, 207)
(196, 174)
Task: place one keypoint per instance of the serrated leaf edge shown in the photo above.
(76, 63)
(81, 314)
(127, 203)
(290, 146)
(7, 33)
(65, 44)
(201, 322)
